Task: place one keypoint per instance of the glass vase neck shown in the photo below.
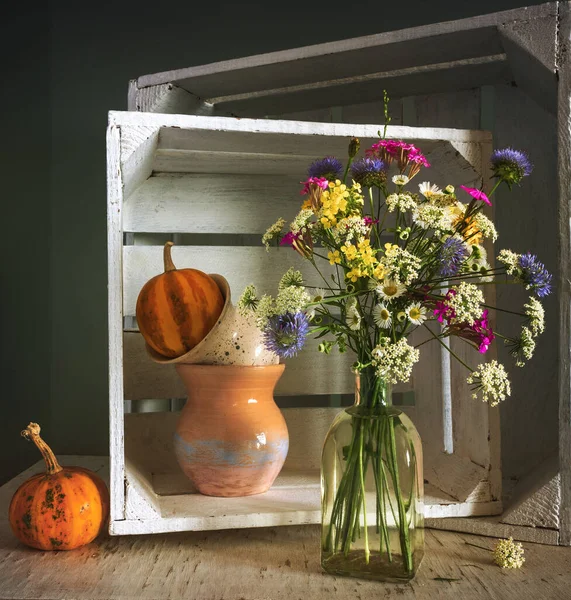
(371, 391)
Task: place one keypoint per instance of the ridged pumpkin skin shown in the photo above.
(176, 309)
(62, 511)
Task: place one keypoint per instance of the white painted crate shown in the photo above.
(192, 175)
(506, 72)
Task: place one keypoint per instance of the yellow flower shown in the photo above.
(471, 231)
(306, 204)
(379, 272)
(349, 251)
(334, 257)
(354, 274)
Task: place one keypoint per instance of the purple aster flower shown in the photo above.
(510, 165)
(369, 171)
(328, 167)
(285, 334)
(534, 274)
(451, 256)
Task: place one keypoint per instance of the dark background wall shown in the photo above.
(65, 68)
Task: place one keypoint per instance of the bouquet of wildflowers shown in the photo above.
(400, 254)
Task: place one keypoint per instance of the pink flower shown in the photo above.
(321, 182)
(288, 239)
(405, 154)
(477, 194)
(480, 332)
(370, 221)
(443, 311)
(298, 243)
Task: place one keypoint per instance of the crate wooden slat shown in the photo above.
(163, 171)
(433, 58)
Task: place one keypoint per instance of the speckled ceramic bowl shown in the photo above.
(234, 340)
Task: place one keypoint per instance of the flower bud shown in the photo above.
(354, 146)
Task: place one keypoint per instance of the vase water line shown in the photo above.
(372, 490)
(231, 438)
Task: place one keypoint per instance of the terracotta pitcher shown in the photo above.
(231, 439)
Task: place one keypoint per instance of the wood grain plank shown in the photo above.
(529, 436)
(276, 563)
(531, 48)
(239, 265)
(115, 316)
(448, 75)
(451, 40)
(311, 372)
(204, 203)
(296, 128)
(563, 279)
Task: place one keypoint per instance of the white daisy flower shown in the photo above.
(382, 316)
(390, 289)
(400, 179)
(373, 284)
(428, 190)
(318, 295)
(416, 313)
(353, 318)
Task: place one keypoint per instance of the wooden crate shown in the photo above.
(191, 176)
(506, 72)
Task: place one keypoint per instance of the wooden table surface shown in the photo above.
(263, 564)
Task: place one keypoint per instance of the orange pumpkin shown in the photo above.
(176, 309)
(62, 509)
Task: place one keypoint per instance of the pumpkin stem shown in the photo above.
(32, 432)
(169, 265)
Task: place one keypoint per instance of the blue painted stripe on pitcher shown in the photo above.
(216, 452)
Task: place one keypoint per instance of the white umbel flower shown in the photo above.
(394, 362)
(485, 226)
(490, 382)
(402, 202)
(301, 220)
(466, 303)
(416, 313)
(382, 316)
(248, 301)
(292, 299)
(273, 232)
(535, 316)
(429, 216)
(509, 259)
(508, 554)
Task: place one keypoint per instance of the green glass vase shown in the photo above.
(372, 489)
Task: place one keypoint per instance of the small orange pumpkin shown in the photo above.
(176, 309)
(62, 509)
